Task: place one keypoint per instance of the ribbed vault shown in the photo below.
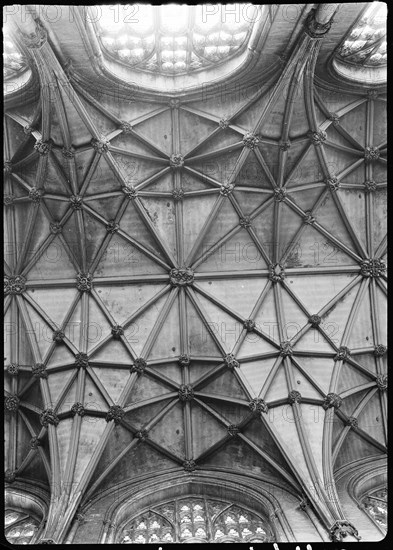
(194, 284)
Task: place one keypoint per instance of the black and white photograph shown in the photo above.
(195, 274)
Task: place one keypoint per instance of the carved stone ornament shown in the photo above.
(184, 360)
(55, 228)
(231, 362)
(382, 382)
(130, 191)
(276, 273)
(250, 140)
(280, 194)
(341, 529)
(186, 392)
(304, 503)
(371, 154)
(245, 222)
(189, 465)
(13, 369)
(233, 430)
(48, 416)
(333, 183)
(343, 354)
(257, 406)
(68, 152)
(315, 29)
(47, 541)
(380, 350)
(126, 127)
(139, 365)
(36, 39)
(14, 285)
(112, 227)
(58, 336)
(11, 403)
(372, 94)
(284, 145)
(117, 331)
(176, 160)
(78, 409)
(352, 422)
(81, 360)
(294, 397)
(142, 435)
(181, 277)
(43, 147)
(334, 118)
(249, 325)
(332, 400)
(314, 320)
(9, 476)
(8, 166)
(83, 282)
(76, 202)
(80, 518)
(35, 442)
(372, 267)
(178, 194)
(28, 130)
(286, 349)
(35, 195)
(115, 413)
(370, 186)
(317, 138)
(9, 199)
(224, 123)
(226, 189)
(39, 370)
(101, 146)
(174, 103)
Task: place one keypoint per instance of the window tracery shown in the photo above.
(366, 43)
(14, 63)
(20, 528)
(193, 519)
(375, 503)
(173, 39)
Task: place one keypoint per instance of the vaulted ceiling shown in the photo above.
(194, 282)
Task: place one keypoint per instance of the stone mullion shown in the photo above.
(360, 406)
